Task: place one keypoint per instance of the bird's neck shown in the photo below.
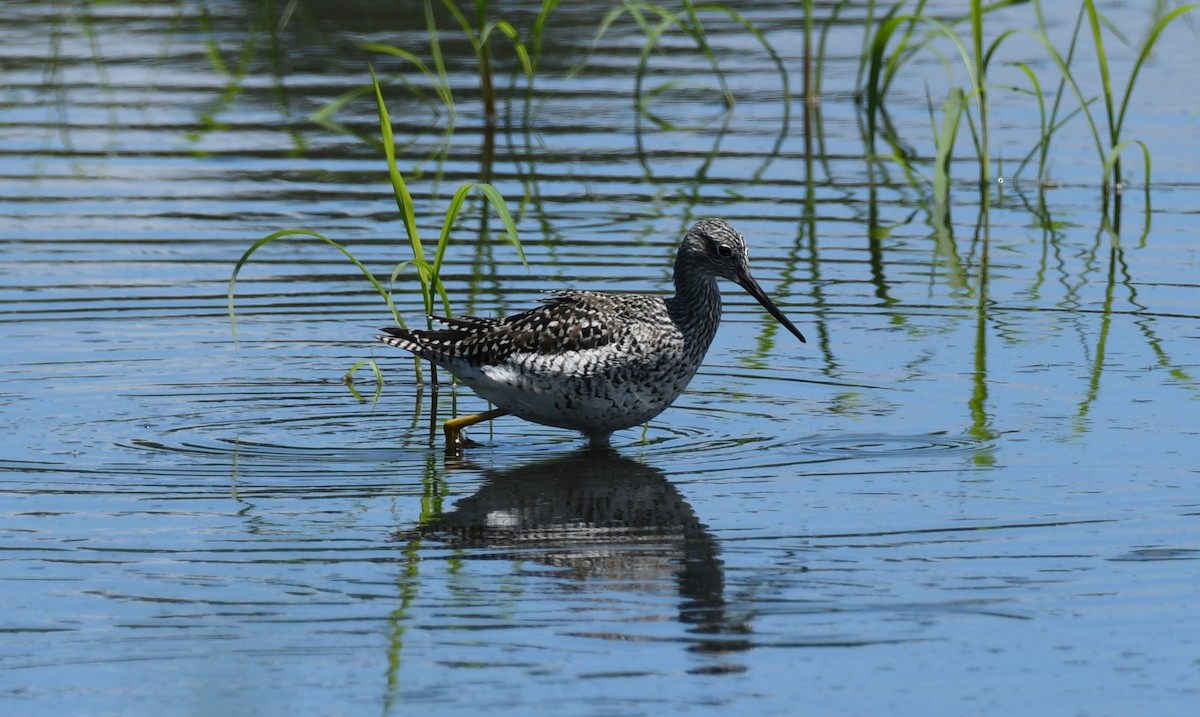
(696, 306)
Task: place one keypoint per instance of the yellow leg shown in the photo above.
(454, 427)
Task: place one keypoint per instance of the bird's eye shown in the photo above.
(724, 251)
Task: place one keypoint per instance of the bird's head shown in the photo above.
(712, 247)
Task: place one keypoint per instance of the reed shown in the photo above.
(429, 275)
(1048, 123)
(898, 38)
(881, 66)
(1109, 142)
(1116, 118)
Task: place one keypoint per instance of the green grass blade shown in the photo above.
(348, 379)
(237, 268)
(1151, 39)
(435, 51)
(404, 199)
(323, 115)
(401, 266)
(463, 23)
(1069, 77)
(1044, 32)
(1044, 134)
(510, 226)
(493, 197)
(1102, 63)
(902, 49)
(967, 57)
(944, 143)
(539, 31)
(386, 49)
(442, 88)
(443, 243)
(977, 42)
(874, 89)
(511, 33)
(1114, 156)
(991, 49)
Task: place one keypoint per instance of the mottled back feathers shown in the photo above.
(566, 321)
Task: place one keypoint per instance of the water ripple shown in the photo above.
(876, 445)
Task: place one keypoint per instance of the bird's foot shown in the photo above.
(456, 440)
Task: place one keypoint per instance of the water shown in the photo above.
(956, 498)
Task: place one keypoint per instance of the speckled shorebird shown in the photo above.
(592, 361)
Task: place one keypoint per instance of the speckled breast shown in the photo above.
(598, 390)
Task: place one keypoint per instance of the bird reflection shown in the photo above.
(598, 515)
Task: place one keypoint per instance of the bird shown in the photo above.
(591, 361)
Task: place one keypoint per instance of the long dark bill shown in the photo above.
(752, 288)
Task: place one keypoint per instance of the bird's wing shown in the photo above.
(568, 321)
(565, 321)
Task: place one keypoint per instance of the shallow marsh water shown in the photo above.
(959, 496)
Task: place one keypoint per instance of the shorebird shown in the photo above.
(591, 361)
